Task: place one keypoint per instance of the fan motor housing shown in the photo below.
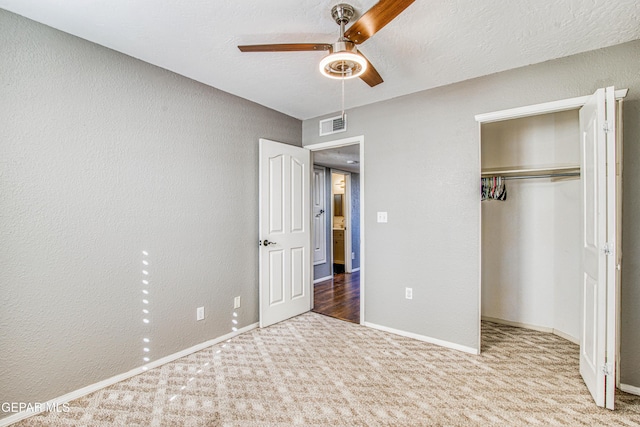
(344, 46)
(342, 13)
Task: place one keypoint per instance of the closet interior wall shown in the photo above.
(531, 260)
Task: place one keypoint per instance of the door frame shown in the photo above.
(528, 111)
(343, 143)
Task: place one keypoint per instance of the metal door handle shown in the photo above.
(267, 243)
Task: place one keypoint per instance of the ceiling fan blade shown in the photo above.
(287, 47)
(371, 76)
(375, 19)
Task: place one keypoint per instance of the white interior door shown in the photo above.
(285, 235)
(319, 211)
(597, 144)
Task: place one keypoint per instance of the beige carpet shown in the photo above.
(317, 371)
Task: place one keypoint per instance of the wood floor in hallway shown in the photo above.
(339, 297)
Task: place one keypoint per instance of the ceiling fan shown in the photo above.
(344, 60)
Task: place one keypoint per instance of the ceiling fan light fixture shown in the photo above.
(343, 65)
(345, 62)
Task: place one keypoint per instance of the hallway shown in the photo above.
(339, 297)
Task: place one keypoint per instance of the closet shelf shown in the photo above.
(532, 172)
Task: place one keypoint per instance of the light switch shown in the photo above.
(382, 217)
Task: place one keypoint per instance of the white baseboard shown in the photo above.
(534, 328)
(121, 377)
(518, 324)
(566, 336)
(322, 279)
(355, 269)
(418, 337)
(630, 389)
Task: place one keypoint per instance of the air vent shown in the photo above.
(333, 125)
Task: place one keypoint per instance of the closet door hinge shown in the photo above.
(607, 369)
(607, 249)
(605, 127)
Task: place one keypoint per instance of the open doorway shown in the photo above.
(341, 206)
(337, 229)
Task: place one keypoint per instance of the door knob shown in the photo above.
(267, 243)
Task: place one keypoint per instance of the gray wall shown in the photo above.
(101, 157)
(422, 166)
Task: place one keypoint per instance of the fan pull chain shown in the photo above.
(343, 100)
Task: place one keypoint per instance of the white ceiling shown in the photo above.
(336, 158)
(432, 43)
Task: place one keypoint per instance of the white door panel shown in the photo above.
(593, 177)
(276, 277)
(596, 342)
(298, 193)
(589, 337)
(276, 195)
(298, 258)
(285, 235)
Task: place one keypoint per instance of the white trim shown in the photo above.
(619, 198)
(352, 140)
(532, 110)
(566, 336)
(76, 394)
(544, 108)
(533, 328)
(418, 337)
(479, 243)
(338, 143)
(630, 389)
(518, 324)
(361, 187)
(355, 269)
(322, 279)
(347, 223)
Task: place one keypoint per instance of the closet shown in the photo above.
(531, 240)
(550, 244)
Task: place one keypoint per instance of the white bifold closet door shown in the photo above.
(598, 179)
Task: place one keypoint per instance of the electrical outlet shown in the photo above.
(382, 217)
(408, 293)
(236, 302)
(200, 313)
(353, 255)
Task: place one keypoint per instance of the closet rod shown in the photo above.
(548, 175)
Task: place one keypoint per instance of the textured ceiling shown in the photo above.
(337, 158)
(432, 43)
